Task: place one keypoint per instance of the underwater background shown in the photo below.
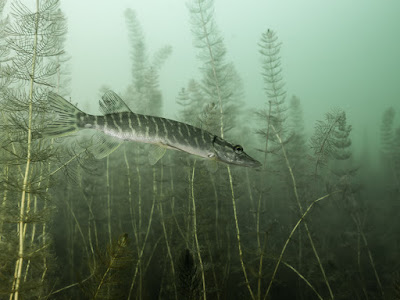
(308, 88)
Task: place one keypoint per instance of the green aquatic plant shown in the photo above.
(105, 276)
(330, 139)
(396, 157)
(221, 86)
(192, 110)
(386, 130)
(276, 112)
(330, 142)
(143, 92)
(167, 237)
(33, 38)
(4, 81)
(220, 82)
(390, 144)
(188, 278)
(297, 147)
(183, 217)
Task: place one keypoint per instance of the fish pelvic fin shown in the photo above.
(103, 145)
(66, 122)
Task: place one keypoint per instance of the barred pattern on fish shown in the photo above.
(120, 124)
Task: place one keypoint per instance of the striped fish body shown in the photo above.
(129, 126)
(118, 123)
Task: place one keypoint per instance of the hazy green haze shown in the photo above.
(311, 89)
(334, 54)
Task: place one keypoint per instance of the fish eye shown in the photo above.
(238, 149)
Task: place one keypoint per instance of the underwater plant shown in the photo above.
(390, 143)
(274, 87)
(311, 224)
(330, 138)
(33, 38)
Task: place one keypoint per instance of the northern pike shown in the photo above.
(118, 124)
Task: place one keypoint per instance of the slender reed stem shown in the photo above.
(21, 223)
(160, 208)
(261, 253)
(301, 212)
(108, 199)
(131, 208)
(371, 260)
(4, 201)
(195, 233)
(139, 230)
(238, 235)
(140, 256)
(303, 278)
(116, 250)
(217, 239)
(213, 267)
(290, 237)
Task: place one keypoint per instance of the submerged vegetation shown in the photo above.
(306, 225)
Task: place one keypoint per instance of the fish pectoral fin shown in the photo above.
(156, 152)
(104, 145)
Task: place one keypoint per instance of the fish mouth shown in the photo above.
(252, 164)
(249, 162)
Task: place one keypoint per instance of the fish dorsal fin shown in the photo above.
(111, 103)
(155, 153)
(104, 145)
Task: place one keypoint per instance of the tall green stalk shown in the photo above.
(203, 279)
(216, 71)
(302, 213)
(108, 199)
(21, 224)
(167, 242)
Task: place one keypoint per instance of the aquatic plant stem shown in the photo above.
(44, 227)
(12, 144)
(139, 186)
(173, 208)
(121, 244)
(217, 87)
(217, 239)
(160, 208)
(212, 266)
(131, 210)
(4, 201)
(108, 198)
(238, 234)
(21, 223)
(33, 232)
(140, 254)
(195, 232)
(303, 278)
(91, 219)
(301, 211)
(129, 180)
(356, 219)
(290, 237)
(139, 182)
(268, 134)
(213, 67)
(261, 253)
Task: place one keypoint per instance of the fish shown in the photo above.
(119, 124)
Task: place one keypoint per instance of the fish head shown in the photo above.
(232, 154)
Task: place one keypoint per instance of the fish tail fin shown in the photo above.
(67, 121)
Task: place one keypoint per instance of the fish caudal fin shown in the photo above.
(67, 117)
